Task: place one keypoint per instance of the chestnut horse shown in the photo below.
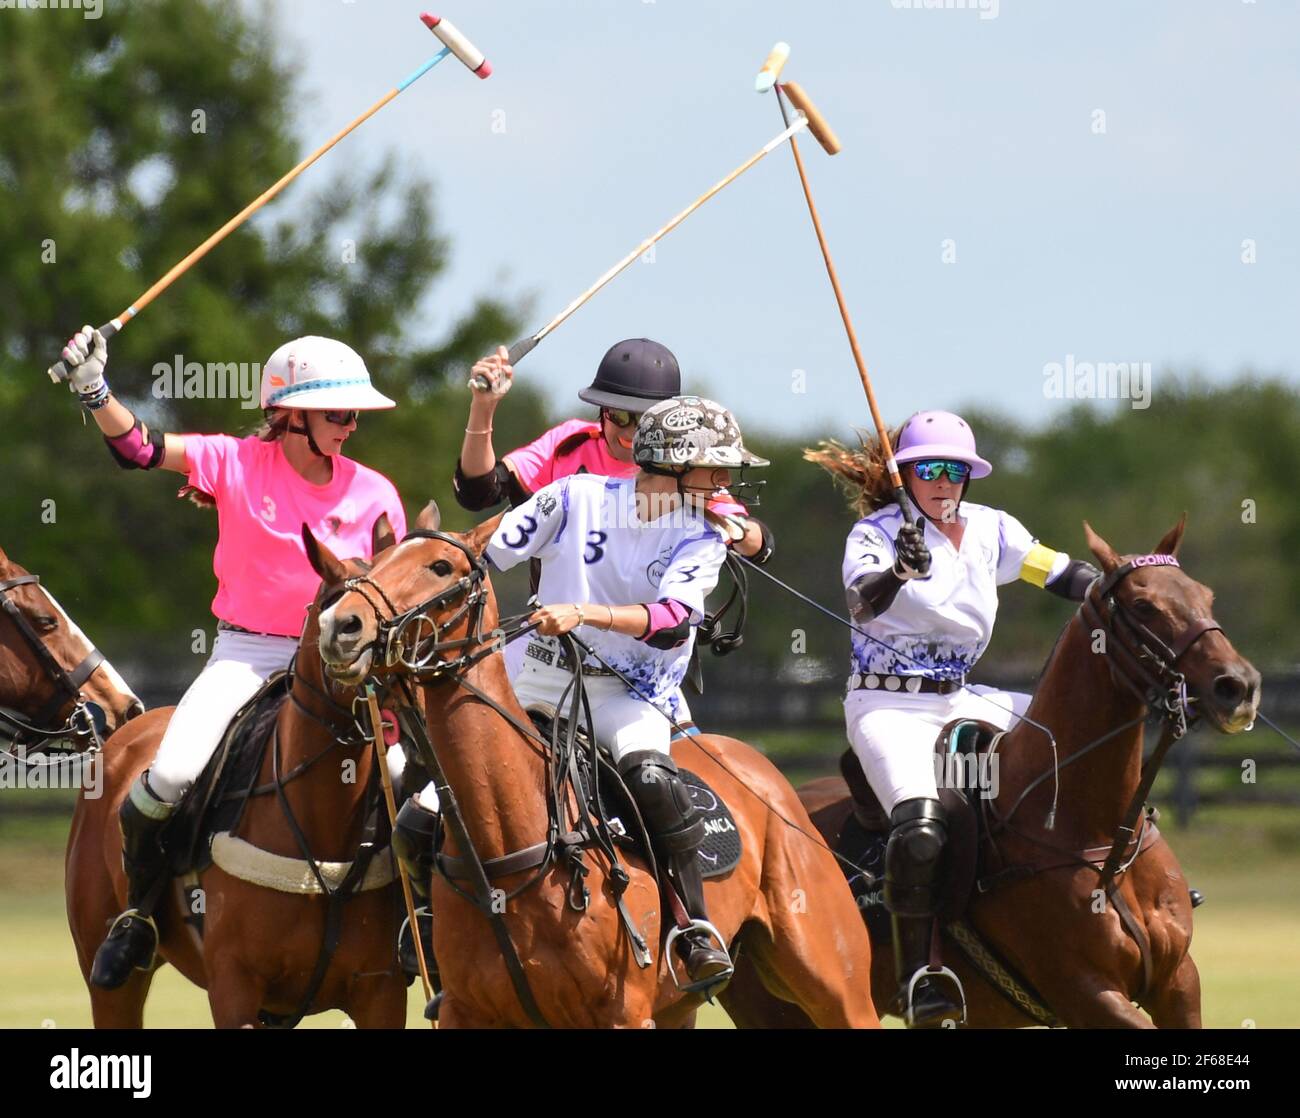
(1050, 926)
(55, 687)
(785, 906)
(260, 946)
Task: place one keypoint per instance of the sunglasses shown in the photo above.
(620, 417)
(932, 471)
(341, 418)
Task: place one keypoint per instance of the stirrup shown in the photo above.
(932, 972)
(703, 986)
(423, 918)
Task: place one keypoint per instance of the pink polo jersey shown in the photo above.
(264, 580)
(584, 452)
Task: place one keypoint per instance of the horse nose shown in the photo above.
(347, 625)
(1231, 689)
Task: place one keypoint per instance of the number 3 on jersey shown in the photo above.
(595, 550)
(527, 528)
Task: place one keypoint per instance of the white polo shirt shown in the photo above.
(595, 548)
(937, 627)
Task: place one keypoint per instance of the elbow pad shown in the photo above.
(134, 449)
(873, 593)
(1073, 582)
(477, 493)
(668, 624)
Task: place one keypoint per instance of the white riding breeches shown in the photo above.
(623, 723)
(240, 663)
(893, 734)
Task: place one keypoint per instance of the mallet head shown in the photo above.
(454, 40)
(816, 122)
(772, 67)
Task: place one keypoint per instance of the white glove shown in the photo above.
(492, 376)
(734, 526)
(86, 356)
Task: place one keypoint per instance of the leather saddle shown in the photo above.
(216, 800)
(963, 746)
(721, 848)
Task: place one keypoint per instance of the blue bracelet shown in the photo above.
(97, 400)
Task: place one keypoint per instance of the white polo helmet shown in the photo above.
(319, 374)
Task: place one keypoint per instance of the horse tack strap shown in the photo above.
(1135, 929)
(483, 897)
(528, 858)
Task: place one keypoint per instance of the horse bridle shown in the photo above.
(410, 638)
(81, 722)
(1138, 659)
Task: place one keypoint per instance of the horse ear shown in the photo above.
(1169, 545)
(482, 533)
(430, 517)
(1105, 554)
(323, 561)
(382, 536)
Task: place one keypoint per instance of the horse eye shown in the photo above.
(1145, 606)
(46, 623)
(440, 567)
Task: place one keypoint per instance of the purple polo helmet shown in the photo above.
(940, 434)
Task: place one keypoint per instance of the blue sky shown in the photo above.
(1115, 246)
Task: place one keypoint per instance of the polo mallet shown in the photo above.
(454, 42)
(767, 79)
(525, 346)
(386, 779)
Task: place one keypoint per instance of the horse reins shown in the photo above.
(80, 723)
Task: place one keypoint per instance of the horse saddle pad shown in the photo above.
(865, 831)
(720, 850)
(215, 802)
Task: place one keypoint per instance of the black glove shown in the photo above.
(912, 557)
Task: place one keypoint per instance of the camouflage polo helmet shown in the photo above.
(689, 431)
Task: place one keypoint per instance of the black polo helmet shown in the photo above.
(634, 374)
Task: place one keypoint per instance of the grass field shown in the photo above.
(1247, 935)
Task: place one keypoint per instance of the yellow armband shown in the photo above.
(1038, 565)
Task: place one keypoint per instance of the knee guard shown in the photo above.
(413, 838)
(917, 836)
(664, 801)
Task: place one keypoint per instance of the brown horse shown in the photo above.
(1050, 925)
(785, 906)
(260, 945)
(50, 674)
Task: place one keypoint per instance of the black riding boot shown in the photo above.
(677, 831)
(912, 861)
(132, 941)
(413, 845)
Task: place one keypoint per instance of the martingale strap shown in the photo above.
(482, 895)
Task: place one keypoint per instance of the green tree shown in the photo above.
(124, 141)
